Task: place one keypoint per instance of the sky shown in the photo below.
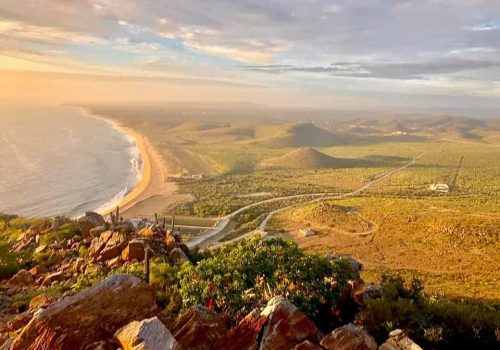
(346, 54)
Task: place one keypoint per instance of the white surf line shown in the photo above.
(221, 225)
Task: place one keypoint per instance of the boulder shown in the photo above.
(149, 334)
(365, 292)
(307, 345)
(53, 277)
(40, 301)
(399, 341)
(354, 265)
(279, 326)
(349, 337)
(134, 250)
(37, 270)
(177, 255)
(21, 278)
(57, 222)
(89, 316)
(107, 246)
(198, 329)
(89, 221)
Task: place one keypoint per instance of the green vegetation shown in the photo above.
(66, 231)
(433, 322)
(237, 278)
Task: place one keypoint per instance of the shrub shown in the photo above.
(432, 322)
(8, 262)
(238, 277)
(66, 231)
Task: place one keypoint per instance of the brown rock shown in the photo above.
(89, 316)
(107, 246)
(279, 326)
(21, 278)
(399, 341)
(177, 255)
(37, 270)
(307, 345)
(198, 329)
(149, 334)
(89, 221)
(134, 250)
(365, 292)
(53, 277)
(40, 301)
(349, 337)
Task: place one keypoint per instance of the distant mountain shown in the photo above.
(308, 158)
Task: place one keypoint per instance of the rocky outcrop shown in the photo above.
(107, 246)
(198, 329)
(21, 278)
(279, 326)
(149, 334)
(307, 345)
(349, 337)
(364, 292)
(89, 221)
(399, 341)
(89, 316)
(135, 250)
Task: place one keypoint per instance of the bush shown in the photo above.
(430, 321)
(66, 231)
(238, 277)
(8, 262)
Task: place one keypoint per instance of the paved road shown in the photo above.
(221, 225)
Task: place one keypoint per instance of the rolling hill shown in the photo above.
(307, 158)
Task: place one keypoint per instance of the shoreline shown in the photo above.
(153, 170)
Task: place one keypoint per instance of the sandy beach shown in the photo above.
(153, 185)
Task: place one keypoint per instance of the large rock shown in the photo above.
(135, 250)
(399, 341)
(89, 316)
(148, 334)
(107, 246)
(198, 329)
(307, 345)
(279, 326)
(21, 278)
(349, 337)
(89, 221)
(365, 292)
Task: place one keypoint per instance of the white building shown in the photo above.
(440, 188)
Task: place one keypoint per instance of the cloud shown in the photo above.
(388, 70)
(44, 34)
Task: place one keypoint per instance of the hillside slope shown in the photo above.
(307, 158)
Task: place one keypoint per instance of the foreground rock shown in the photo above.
(399, 341)
(149, 334)
(107, 246)
(89, 221)
(279, 326)
(198, 329)
(349, 337)
(90, 316)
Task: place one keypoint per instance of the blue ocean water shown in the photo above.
(59, 161)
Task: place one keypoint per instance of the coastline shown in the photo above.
(153, 170)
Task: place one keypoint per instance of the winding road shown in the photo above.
(222, 224)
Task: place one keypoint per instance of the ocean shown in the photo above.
(60, 161)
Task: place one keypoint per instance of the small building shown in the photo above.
(444, 188)
(306, 232)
